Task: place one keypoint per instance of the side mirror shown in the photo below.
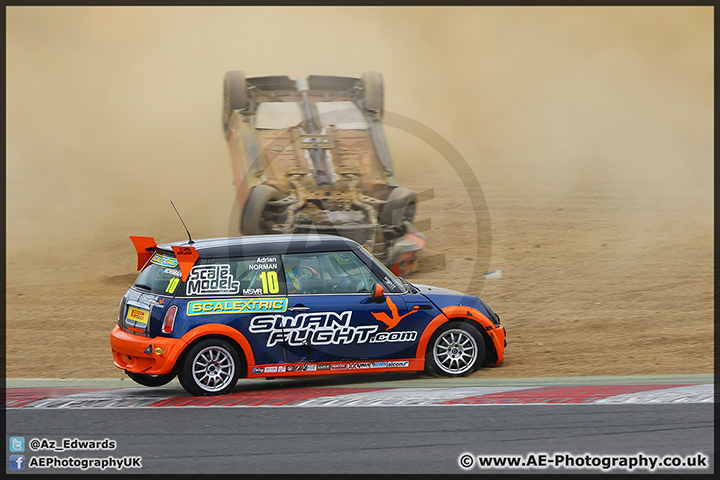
(378, 293)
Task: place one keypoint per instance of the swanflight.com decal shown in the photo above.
(252, 305)
(325, 328)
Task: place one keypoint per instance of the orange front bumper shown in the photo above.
(129, 352)
(497, 334)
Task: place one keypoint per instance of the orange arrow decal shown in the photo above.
(391, 321)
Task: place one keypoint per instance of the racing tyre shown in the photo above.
(374, 91)
(251, 221)
(151, 380)
(211, 367)
(235, 97)
(399, 207)
(455, 350)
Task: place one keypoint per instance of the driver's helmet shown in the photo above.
(294, 285)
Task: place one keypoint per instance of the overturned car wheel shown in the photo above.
(374, 91)
(235, 97)
(251, 221)
(399, 207)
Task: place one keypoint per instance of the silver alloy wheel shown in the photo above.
(455, 351)
(213, 368)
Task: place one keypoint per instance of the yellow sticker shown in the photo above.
(255, 305)
(172, 285)
(137, 315)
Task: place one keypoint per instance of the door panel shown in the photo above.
(353, 327)
(332, 316)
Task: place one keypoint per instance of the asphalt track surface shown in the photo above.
(398, 426)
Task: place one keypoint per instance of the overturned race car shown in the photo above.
(310, 156)
(216, 310)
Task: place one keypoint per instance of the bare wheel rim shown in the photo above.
(213, 368)
(455, 351)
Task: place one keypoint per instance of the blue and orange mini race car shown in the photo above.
(212, 311)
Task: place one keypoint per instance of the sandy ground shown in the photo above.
(589, 130)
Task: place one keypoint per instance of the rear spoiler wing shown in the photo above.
(145, 246)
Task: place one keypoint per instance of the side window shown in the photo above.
(250, 276)
(327, 273)
(261, 276)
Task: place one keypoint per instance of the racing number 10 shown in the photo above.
(270, 282)
(172, 285)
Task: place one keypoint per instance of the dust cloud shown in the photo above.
(114, 111)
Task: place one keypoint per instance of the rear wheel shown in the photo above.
(211, 367)
(151, 380)
(235, 97)
(252, 221)
(455, 350)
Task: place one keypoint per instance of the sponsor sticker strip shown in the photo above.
(320, 367)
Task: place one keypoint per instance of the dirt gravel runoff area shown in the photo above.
(588, 129)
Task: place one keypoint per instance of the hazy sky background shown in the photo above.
(113, 111)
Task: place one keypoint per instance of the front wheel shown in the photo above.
(373, 89)
(211, 367)
(455, 350)
(235, 97)
(399, 207)
(151, 380)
